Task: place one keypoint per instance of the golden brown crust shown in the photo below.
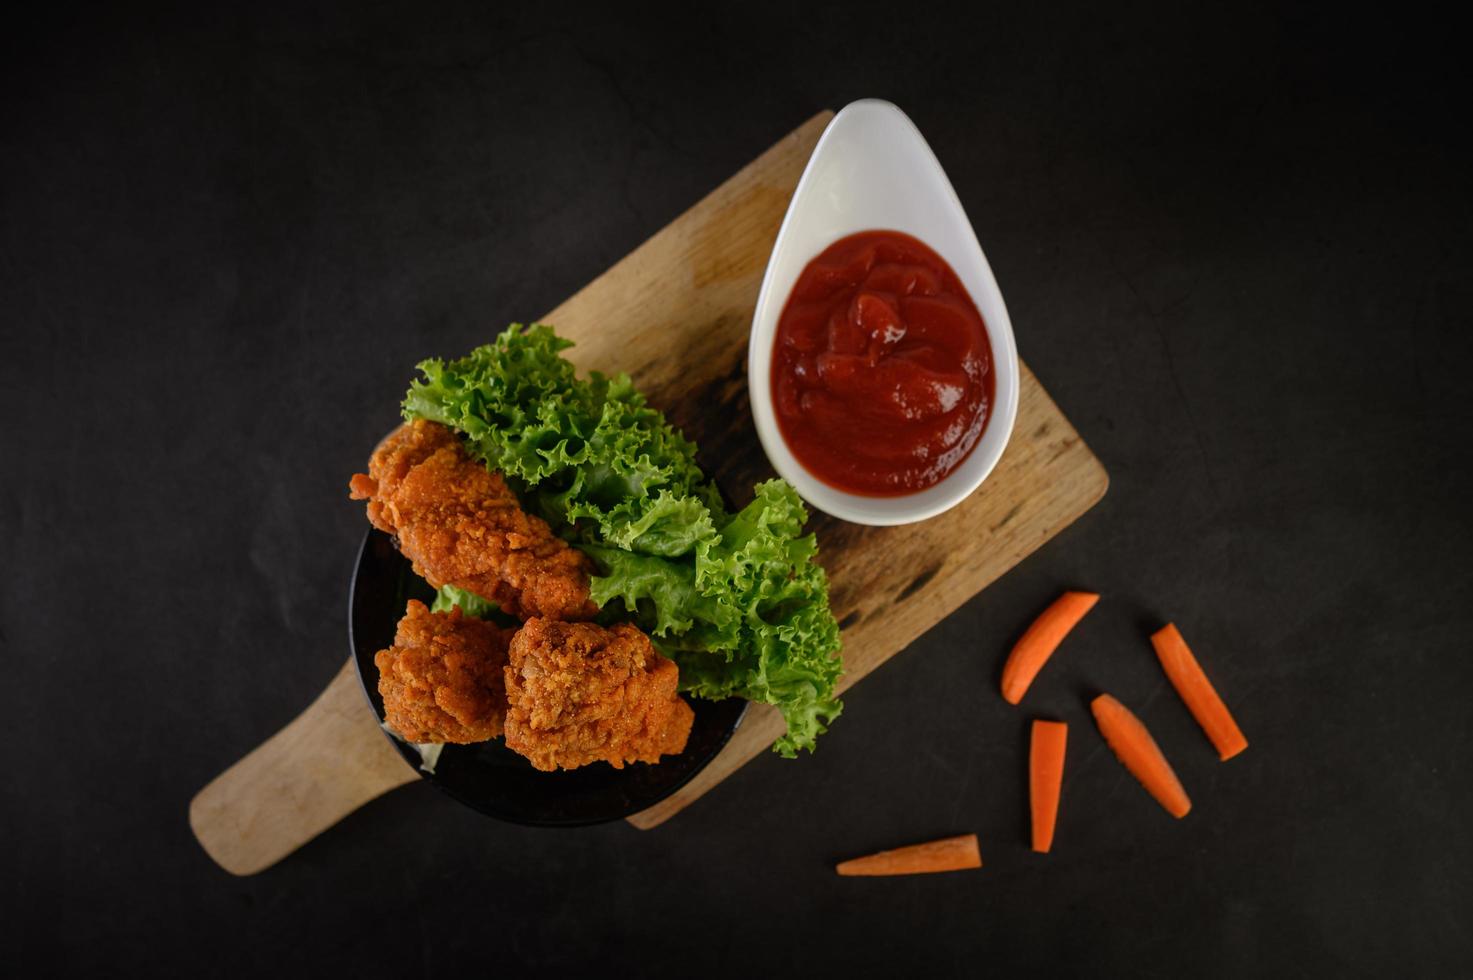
(461, 525)
(444, 678)
(579, 693)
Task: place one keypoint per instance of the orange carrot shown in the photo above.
(1138, 752)
(1040, 641)
(1045, 779)
(947, 854)
(1197, 692)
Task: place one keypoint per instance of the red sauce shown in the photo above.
(881, 370)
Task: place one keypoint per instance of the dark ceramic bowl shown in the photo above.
(490, 777)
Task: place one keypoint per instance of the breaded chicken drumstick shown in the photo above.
(460, 524)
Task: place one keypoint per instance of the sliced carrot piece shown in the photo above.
(1045, 779)
(1197, 692)
(947, 854)
(1040, 640)
(1138, 752)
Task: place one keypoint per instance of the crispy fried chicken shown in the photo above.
(579, 693)
(461, 524)
(443, 680)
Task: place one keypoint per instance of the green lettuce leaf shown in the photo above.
(592, 458)
(449, 597)
(738, 600)
(747, 616)
(656, 592)
(763, 576)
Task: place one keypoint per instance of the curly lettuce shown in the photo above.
(450, 597)
(738, 600)
(589, 455)
(748, 617)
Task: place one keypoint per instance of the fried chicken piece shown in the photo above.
(460, 524)
(579, 693)
(444, 678)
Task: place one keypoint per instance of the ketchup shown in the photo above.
(881, 369)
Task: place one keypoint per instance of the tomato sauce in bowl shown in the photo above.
(882, 374)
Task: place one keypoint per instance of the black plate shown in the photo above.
(490, 777)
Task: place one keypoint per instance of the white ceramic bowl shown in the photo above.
(872, 170)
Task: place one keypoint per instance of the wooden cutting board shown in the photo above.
(674, 315)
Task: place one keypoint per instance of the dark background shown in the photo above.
(1235, 246)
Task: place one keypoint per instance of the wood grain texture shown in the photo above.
(324, 765)
(675, 313)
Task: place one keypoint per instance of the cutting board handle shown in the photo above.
(314, 772)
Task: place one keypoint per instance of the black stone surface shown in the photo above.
(1236, 247)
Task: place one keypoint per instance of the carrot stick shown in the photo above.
(1045, 779)
(1138, 752)
(947, 854)
(1197, 692)
(1040, 641)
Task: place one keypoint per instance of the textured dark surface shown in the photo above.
(1235, 249)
